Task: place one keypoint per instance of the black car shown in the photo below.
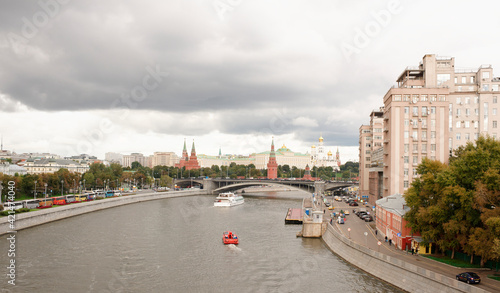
(469, 278)
(353, 204)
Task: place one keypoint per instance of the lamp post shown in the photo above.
(80, 187)
(62, 187)
(84, 185)
(1, 188)
(35, 189)
(45, 184)
(74, 185)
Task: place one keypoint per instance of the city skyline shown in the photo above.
(128, 77)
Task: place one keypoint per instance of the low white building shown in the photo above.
(39, 166)
(12, 169)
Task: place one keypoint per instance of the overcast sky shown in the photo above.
(140, 76)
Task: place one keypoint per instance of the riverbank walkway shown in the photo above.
(364, 234)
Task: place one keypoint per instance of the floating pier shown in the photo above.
(293, 216)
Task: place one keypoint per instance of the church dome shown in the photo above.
(330, 153)
(321, 139)
(313, 146)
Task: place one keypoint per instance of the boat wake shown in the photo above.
(233, 247)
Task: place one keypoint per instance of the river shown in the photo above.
(174, 245)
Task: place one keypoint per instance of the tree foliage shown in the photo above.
(455, 205)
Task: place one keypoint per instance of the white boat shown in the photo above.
(228, 199)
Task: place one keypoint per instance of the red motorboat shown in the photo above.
(229, 237)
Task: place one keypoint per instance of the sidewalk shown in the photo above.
(358, 229)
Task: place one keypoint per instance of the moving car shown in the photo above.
(469, 278)
(368, 218)
(353, 204)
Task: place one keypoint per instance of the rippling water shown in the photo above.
(174, 245)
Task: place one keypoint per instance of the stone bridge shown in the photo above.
(217, 185)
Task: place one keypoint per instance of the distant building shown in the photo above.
(39, 166)
(321, 159)
(284, 156)
(12, 169)
(164, 159)
(114, 158)
(134, 157)
(307, 173)
(272, 165)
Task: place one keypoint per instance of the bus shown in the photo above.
(44, 203)
(110, 193)
(99, 194)
(59, 201)
(13, 205)
(70, 198)
(31, 203)
(80, 197)
(90, 196)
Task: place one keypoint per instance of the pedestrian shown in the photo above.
(376, 231)
(385, 238)
(390, 241)
(412, 251)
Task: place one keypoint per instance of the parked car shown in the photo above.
(353, 204)
(469, 278)
(368, 218)
(362, 214)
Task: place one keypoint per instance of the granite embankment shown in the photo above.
(30, 219)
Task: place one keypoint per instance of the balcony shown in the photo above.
(386, 141)
(386, 129)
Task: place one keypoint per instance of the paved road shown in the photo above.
(357, 234)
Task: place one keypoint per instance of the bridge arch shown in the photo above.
(236, 186)
(184, 183)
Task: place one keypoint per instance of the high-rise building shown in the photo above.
(435, 108)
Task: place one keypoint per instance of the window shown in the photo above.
(494, 111)
(476, 136)
(368, 159)
(442, 98)
(379, 137)
(406, 159)
(407, 110)
(456, 80)
(464, 79)
(415, 159)
(424, 111)
(476, 124)
(424, 123)
(424, 135)
(368, 138)
(494, 124)
(467, 112)
(458, 135)
(406, 134)
(467, 100)
(414, 98)
(406, 184)
(494, 87)
(406, 98)
(406, 171)
(433, 110)
(397, 98)
(459, 100)
(424, 148)
(467, 124)
(467, 136)
(485, 117)
(433, 158)
(433, 123)
(472, 79)
(368, 152)
(476, 111)
(486, 74)
(406, 147)
(459, 88)
(423, 98)
(476, 100)
(367, 165)
(494, 100)
(486, 87)
(368, 145)
(415, 148)
(377, 130)
(457, 125)
(442, 78)
(407, 122)
(459, 112)
(414, 123)
(415, 111)
(433, 147)
(415, 134)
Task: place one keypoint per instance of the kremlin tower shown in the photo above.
(272, 165)
(190, 162)
(307, 174)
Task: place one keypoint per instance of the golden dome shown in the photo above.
(321, 139)
(329, 153)
(283, 147)
(313, 146)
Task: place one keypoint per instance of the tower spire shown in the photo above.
(184, 149)
(193, 150)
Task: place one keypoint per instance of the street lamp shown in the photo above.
(62, 187)
(35, 188)
(80, 187)
(45, 184)
(84, 185)
(1, 188)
